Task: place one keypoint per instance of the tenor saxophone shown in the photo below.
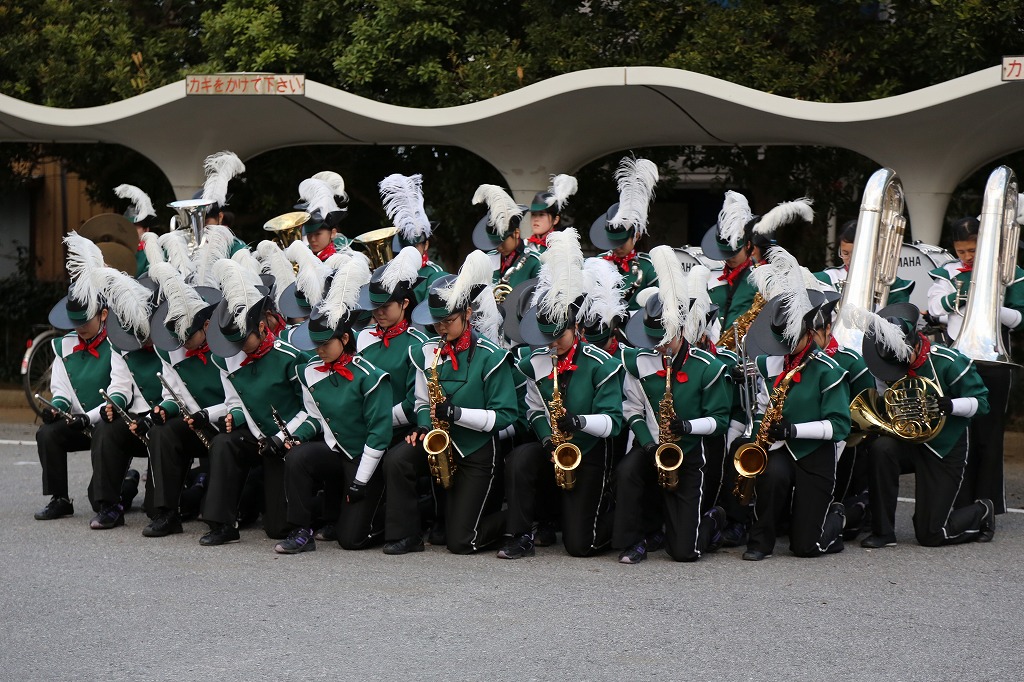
(437, 443)
(669, 456)
(752, 458)
(566, 455)
(734, 334)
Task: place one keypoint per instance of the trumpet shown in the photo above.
(566, 455)
(437, 442)
(669, 456)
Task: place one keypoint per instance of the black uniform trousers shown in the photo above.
(983, 476)
(687, 531)
(473, 516)
(172, 448)
(113, 447)
(937, 479)
(810, 483)
(586, 509)
(315, 464)
(232, 455)
(54, 441)
(714, 472)
(734, 511)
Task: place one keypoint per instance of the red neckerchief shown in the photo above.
(265, 346)
(507, 261)
(965, 268)
(922, 356)
(623, 262)
(326, 252)
(142, 246)
(565, 362)
(338, 366)
(613, 346)
(426, 259)
(199, 352)
(790, 362)
(831, 347)
(680, 376)
(461, 344)
(730, 275)
(385, 335)
(539, 241)
(281, 323)
(91, 346)
(711, 348)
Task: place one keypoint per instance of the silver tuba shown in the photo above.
(995, 262)
(876, 250)
(192, 216)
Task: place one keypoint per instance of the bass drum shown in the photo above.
(693, 255)
(916, 261)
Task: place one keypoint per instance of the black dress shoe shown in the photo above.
(167, 523)
(56, 508)
(413, 543)
(129, 489)
(438, 535)
(987, 530)
(544, 534)
(755, 555)
(734, 535)
(220, 535)
(878, 541)
(110, 516)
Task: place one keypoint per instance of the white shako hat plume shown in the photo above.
(220, 168)
(672, 291)
(142, 205)
(636, 179)
(501, 208)
(403, 202)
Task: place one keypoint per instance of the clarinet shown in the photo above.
(66, 416)
(185, 413)
(127, 418)
(282, 426)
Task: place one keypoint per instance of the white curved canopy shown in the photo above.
(933, 137)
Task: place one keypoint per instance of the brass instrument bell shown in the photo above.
(377, 245)
(286, 228)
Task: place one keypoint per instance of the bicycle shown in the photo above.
(36, 365)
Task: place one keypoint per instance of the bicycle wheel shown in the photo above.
(36, 372)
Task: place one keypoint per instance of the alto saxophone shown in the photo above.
(669, 456)
(734, 334)
(566, 455)
(437, 443)
(752, 458)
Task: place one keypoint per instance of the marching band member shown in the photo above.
(803, 411)
(178, 328)
(899, 291)
(475, 379)
(351, 402)
(220, 169)
(896, 349)
(258, 373)
(321, 230)
(498, 233)
(625, 223)
(951, 284)
(603, 312)
(142, 214)
(84, 364)
(590, 414)
(727, 241)
(403, 202)
(692, 392)
(546, 211)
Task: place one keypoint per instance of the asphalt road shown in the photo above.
(79, 604)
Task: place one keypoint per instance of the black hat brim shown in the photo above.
(215, 337)
(882, 367)
(287, 305)
(598, 236)
(530, 331)
(421, 315)
(709, 245)
(163, 338)
(58, 316)
(512, 305)
(299, 337)
(480, 239)
(121, 338)
(637, 335)
(759, 339)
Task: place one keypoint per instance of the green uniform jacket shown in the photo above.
(355, 416)
(76, 377)
(197, 384)
(593, 390)
(272, 381)
(899, 291)
(482, 386)
(942, 294)
(857, 375)
(956, 376)
(430, 272)
(732, 361)
(705, 393)
(397, 360)
(821, 394)
(729, 308)
(141, 262)
(144, 365)
(640, 276)
(525, 266)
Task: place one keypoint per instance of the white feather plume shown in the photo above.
(700, 303)
(475, 271)
(216, 244)
(603, 283)
(644, 295)
(562, 187)
(220, 169)
(84, 257)
(151, 247)
(343, 295)
(252, 267)
(560, 281)
(636, 180)
(501, 208)
(733, 218)
(783, 277)
(141, 203)
(403, 202)
(236, 288)
(175, 245)
(312, 273)
(890, 335)
(784, 214)
(130, 301)
(404, 267)
(334, 181)
(319, 197)
(183, 302)
(486, 318)
(276, 264)
(672, 289)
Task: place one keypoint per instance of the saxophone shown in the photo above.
(437, 443)
(566, 455)
(669, 456)
(734, 334)
(752, 458)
